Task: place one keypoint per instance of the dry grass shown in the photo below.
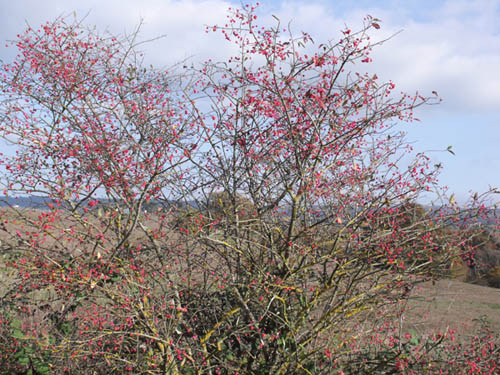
(450, 304)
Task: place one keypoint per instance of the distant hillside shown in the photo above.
(25, 202)
(484, 270)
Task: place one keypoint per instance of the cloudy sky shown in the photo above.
(452, 47)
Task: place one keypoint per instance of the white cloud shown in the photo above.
(450, 46)
(453, 49)
(181, 22)
(452, 57)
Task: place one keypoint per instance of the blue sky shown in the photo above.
(452, 47)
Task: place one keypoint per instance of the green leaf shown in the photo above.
(414, 337)
(17, 334)
(116, 278)
(65, 328)
(42, 368)
(23, 360)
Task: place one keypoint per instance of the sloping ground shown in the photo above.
(450, 304)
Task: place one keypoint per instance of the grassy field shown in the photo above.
(450, 304)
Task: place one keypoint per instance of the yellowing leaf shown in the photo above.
(452, 199)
